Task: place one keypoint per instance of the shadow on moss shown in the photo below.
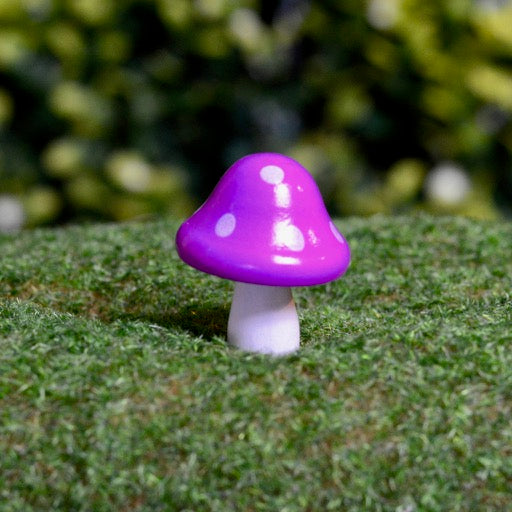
(205, 320)
(201, 320)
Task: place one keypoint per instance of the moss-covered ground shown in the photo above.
(118, 391)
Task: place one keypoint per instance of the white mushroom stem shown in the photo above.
(263, 319)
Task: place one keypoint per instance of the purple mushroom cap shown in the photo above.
(265, 223)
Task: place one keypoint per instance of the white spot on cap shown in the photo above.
(225, 225)
(289, 236)
(336, 233)
(272, 174)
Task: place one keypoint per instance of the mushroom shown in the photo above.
(264, 226)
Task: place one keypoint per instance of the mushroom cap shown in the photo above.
(265, 223)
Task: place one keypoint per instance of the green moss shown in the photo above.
(119, 392)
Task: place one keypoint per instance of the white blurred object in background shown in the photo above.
(12, 214)
(382, 14)
(491, 5)
(447, 183)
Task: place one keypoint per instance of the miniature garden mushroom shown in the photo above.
(264, 226)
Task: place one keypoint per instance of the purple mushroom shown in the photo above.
(264, 226)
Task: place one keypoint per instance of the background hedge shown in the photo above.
(111, 109)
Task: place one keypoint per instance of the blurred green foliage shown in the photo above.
(111, 109)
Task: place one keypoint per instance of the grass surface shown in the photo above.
(118, 391)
